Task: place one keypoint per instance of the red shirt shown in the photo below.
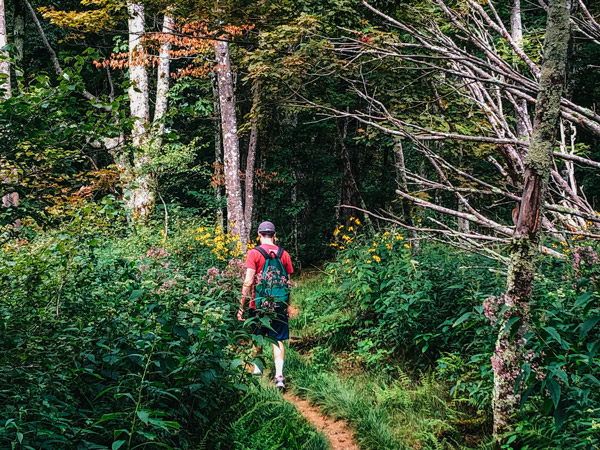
(256, 261)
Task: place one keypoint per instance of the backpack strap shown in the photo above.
(279, 253)
(262, 252)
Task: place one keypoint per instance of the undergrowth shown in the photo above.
(388, 413)
(265, 421)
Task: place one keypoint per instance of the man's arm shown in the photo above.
(248, 282)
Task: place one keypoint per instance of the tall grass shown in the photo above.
(388, 413)
(265, 421)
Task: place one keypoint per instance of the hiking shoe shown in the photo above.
(279, 383)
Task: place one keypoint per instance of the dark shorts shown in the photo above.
(279, 322)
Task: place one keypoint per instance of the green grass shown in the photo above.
(265, 421)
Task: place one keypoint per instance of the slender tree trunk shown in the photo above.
(141, 200)
(521, 113)
(5, 91)
(402, 183)
(250, 163)
(508, 355)
(11, 199)
(231, 149)
(162, 78)
(349, 184)
(19, 34)
(218, 153)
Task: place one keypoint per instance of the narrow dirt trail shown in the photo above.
(340, 436)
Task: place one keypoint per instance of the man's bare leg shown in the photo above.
(278, 356)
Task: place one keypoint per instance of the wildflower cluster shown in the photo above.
(222, 245)
(156, 271)
(344, 236)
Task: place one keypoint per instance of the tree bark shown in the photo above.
(5, 91)
(250, 163)
(508, 355)
(141, 200)
(516, 31)
(162, 78)
(19, 36)
(218, 153)
(231, 149)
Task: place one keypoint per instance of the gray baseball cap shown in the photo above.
(266, 227)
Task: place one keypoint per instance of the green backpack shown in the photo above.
(273, 283)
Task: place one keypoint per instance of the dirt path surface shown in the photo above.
(337, 432)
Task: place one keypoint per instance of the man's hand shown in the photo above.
(240, 314)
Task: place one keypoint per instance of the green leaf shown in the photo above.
(144, 416)
(117, 444)
(562, 375)
(582, 299)
(462, 318)
(552, 332)
(554, 390)
(236, 363)
(587, 326)
(135, 295)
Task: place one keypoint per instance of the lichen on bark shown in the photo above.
(510, 346)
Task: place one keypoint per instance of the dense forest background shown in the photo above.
(431, 166)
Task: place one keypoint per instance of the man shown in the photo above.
(255, 262)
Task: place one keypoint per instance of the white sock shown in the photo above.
(278, 367)
(256, 370)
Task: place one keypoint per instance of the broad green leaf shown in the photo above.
(554, 390)
(117, 444)
(587, 326)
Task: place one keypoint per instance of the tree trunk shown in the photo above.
(508, 355)
(231, 149)
(218, 154)
(141, 201)
(250, 163)
(19, 36)
(349, 184)
(162, 78)
(4, 62)
(402, 183)
(516, 30)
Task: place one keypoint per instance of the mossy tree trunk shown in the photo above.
(510, 345)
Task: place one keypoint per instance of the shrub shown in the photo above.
(113, 338)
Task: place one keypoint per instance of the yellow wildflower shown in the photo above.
(369, 261)
(399, 238)
(376, 258)
(372, 250)
(407, 246)
(350, 228)
(357, 222)
(389, 246)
